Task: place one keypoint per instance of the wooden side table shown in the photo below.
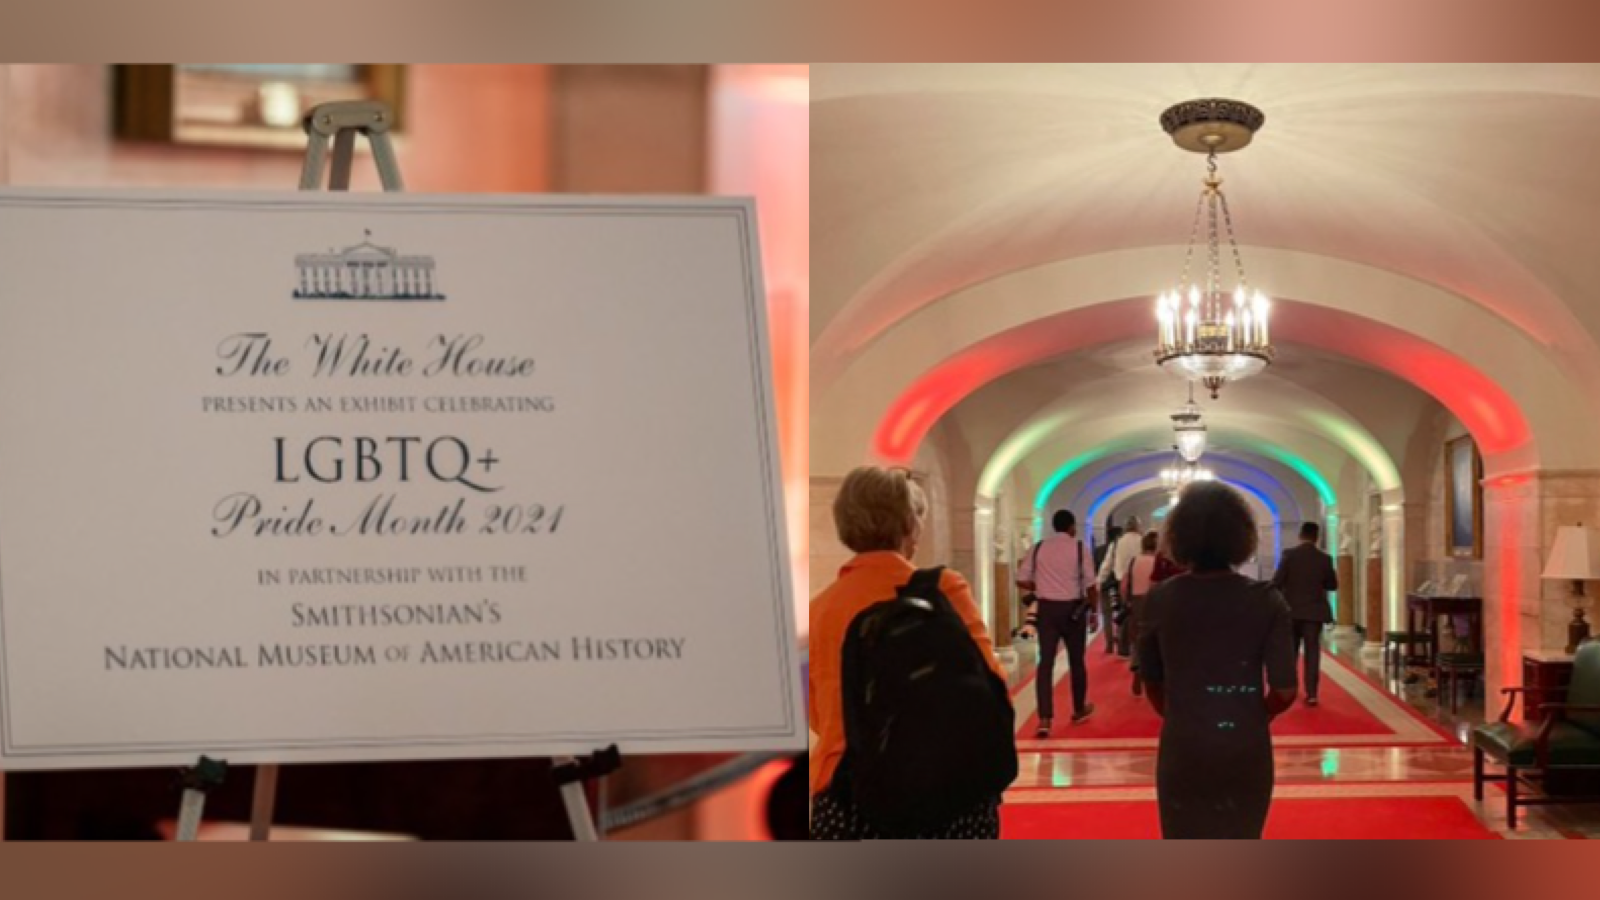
(1546, 674)
(1430, 609)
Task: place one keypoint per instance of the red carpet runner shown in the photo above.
(1120, 715)
(1389, 818)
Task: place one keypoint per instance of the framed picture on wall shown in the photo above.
(1463, 499)
(241, 105)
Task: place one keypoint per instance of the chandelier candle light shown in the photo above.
(1207, 332)
(1185, 474)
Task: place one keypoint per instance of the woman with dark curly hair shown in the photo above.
(1217, 659)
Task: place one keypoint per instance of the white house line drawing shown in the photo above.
(365, 271)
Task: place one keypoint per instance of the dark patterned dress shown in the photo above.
(1218, 643)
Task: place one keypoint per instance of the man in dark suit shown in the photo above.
(1305, 576)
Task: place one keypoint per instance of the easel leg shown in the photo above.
(344, 148)
(570, 775)
(196, 783)
(264, 802)
(190, 813)
(578, 814)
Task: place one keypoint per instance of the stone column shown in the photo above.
(1512, 561)
(1003, 623)
(1347, 594)
(1417, 540)
(1394, 561)
(1374, 607)
(971, 553)
(979, 545)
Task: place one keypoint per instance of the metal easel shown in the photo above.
(341, 122)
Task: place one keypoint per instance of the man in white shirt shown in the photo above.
(1061, 573)
(1112, 571)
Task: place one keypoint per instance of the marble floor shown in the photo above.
(1060, 775)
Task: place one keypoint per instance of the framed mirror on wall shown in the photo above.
(1463, 499)
(241, 105)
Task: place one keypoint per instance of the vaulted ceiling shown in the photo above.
(987, 239)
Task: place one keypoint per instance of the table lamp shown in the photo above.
(1575, 557)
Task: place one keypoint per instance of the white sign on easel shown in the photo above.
(311, 477)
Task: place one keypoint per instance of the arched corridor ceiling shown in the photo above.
(1313, 407)
(1426, 226)
(1099, 488)
(1474, 178)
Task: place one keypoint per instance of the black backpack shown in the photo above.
(929, 728)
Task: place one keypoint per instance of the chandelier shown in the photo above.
(1181, 476)
(1188, 432)
(1208, 332)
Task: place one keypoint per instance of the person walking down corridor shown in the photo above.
(1139, 580)
(879, 516)
(1217, 659)
(1305, 576)
(1061, 575)
(1114, 595)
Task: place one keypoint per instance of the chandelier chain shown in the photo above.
(1238, 259)
(1194, 232)
(1212, 248)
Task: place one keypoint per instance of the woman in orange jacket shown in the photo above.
(878, 514)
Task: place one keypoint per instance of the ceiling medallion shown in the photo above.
(1214, 124)
(1209, 331)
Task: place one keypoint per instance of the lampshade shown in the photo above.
(1576, 554)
